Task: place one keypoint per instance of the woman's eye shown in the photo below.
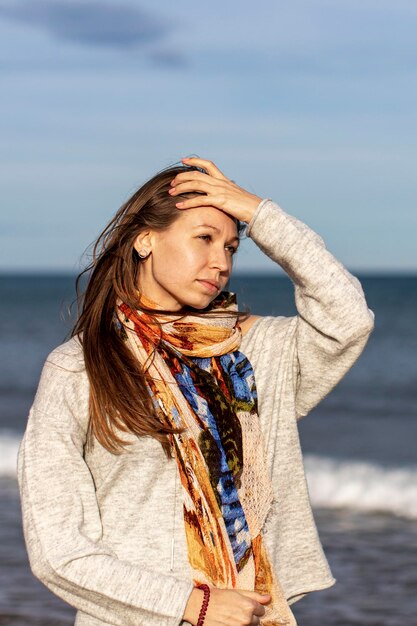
(231, 249)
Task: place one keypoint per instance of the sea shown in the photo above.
(359, 446)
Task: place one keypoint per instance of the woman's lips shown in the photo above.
(211, 286)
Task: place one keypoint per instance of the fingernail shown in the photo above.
(179, 204)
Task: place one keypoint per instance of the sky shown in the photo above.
(312, 103)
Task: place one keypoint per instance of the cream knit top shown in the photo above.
(105, 532)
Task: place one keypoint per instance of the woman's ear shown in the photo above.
(143, 243)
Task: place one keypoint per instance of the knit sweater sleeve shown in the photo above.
(61, 518)
(333, 321)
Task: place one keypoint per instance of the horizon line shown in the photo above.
(278, 273)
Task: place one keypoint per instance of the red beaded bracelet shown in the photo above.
(204, 606)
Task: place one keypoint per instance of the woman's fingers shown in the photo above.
(214, 189)
(194, 179)
(207, 165)
(201, 200)
(259, 611)
(235, 608)
(180, 186)
(260, 598)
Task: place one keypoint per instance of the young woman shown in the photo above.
(161, 474)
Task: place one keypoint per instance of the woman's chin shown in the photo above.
(198, 303)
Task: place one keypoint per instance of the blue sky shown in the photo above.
(311, 103)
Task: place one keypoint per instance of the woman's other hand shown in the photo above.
(220, 192)
(227, 607)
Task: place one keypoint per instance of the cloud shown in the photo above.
(90, 22)
(169, 58)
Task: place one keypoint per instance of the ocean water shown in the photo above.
(359, 448)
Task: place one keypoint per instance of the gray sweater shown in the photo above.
(105, 532)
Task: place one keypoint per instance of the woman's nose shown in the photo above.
(220, 259)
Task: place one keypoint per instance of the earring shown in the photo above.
(143, 254)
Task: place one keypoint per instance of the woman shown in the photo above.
(159, 483)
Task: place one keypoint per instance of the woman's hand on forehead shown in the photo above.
(219, 191)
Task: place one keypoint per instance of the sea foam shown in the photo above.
(9, 446)
(362, 485)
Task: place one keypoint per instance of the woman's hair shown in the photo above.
(119, 398)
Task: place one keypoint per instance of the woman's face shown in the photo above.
(191, 261)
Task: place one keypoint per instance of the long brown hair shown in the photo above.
(119, 399)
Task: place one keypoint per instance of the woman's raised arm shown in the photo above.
(333, 322)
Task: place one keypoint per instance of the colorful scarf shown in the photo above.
(200, 381)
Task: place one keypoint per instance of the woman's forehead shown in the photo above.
(208, 216)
